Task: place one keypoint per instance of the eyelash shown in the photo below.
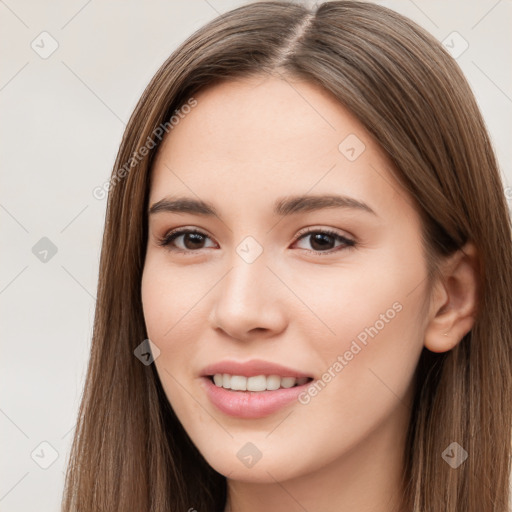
(348, 243)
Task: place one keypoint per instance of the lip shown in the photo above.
(250, 404)
(251, 369)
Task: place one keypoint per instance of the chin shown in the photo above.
(260, 460)
(263, 472)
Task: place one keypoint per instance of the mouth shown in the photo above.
(256, 383)
(253, 397)
(252, 389)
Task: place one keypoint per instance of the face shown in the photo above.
(257, 287)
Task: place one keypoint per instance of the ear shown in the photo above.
(454, 300)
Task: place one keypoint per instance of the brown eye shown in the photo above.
(322, 241)
(188, 240)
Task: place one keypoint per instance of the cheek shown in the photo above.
(345, 306)
(162, 318)
(173, 318)
(368, 367)
(364, 386)
(371, 336)
(168, 299)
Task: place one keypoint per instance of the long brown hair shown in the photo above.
(130, 451)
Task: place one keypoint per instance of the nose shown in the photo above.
(250, 302)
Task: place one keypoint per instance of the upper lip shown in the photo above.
(251, 369)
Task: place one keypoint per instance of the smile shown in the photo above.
(247, 404)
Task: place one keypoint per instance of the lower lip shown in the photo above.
(250, 404)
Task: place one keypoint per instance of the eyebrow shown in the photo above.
(282, 207)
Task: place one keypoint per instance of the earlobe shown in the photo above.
(454, 301)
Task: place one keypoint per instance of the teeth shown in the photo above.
(257, 383)
(288, 382)
(238, 383)
(273, 382)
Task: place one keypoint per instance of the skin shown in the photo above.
(245, 144)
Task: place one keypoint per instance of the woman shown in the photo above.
(241, 363)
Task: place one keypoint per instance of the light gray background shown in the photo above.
(62, 121)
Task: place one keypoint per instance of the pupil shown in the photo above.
(319, 237)
(196, 238)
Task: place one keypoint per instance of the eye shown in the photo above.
(322, 239)
(193, 239)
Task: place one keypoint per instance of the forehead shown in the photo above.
(263, 137)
